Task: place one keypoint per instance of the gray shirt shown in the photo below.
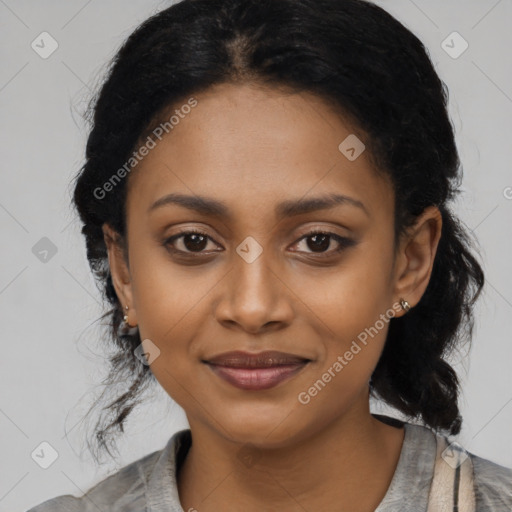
(425, 480)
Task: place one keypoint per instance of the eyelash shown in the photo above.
(342, 241)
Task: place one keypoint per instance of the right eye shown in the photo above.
(193, 242)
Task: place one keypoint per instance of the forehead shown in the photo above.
(251, 146)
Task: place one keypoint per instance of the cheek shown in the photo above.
(351, 310)
(168, 307)
(351, 296)
(163, 291)
(171, 318)
(169, 311)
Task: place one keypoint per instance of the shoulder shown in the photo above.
(123, 491)
(490, 483)
(493, 484)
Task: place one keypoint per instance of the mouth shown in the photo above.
(258, 371)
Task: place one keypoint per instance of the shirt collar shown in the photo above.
(162, 487)
(410, 485)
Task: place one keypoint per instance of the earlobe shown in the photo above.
(417, 255)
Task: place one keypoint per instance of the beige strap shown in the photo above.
(442, 497)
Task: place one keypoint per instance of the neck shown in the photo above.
(323, 471)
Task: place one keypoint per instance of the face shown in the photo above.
(243, 270)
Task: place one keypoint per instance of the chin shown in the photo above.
(263, 427)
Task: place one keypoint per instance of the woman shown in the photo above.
(265, 202)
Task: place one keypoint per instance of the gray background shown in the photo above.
(52, 366)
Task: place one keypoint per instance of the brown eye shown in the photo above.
(190, 241)
(319, 242)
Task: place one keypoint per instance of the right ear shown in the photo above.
(118, 267)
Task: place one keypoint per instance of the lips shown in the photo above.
(266, 359)
(259, 371)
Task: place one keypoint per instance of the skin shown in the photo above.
(252, 148)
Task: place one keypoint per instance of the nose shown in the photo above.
(254, 298)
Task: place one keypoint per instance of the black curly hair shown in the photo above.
(361, 60)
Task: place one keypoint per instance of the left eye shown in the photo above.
(321, 241)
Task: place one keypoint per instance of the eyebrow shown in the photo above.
(213, 207)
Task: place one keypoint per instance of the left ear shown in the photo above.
(416, 254)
